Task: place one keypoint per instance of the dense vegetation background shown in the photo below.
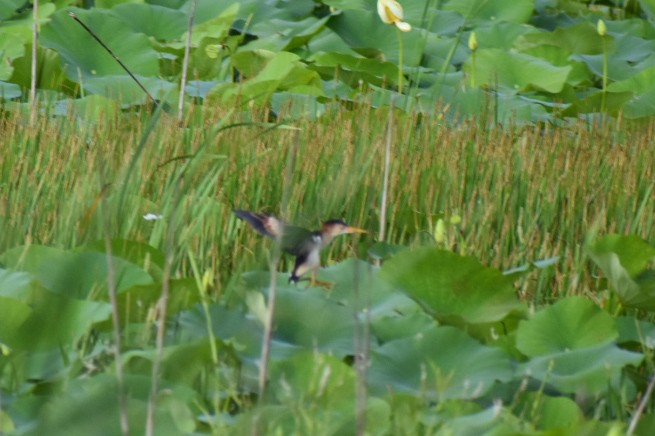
(499, 153)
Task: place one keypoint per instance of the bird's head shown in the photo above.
(336, 227)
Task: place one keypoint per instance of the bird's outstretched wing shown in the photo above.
(263, 224)
(293, 238)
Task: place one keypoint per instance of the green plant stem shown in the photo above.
(162, 309)
(605, 69)
(272, 289)
(185, 64)
(35, 41)
(385, 177)
(113, 298)
(400, 61)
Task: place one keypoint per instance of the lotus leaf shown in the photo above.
(585, 371)
(624, 260)
(74, 274)
(450, 286)
(430, 363)
(569, 324)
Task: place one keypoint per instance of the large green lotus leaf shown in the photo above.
(635, 26)
(499, 35)
(258, 92)
(302, 419)
(215, 69)
(483, 11)
(518, 109)
(590, 370)
(277, 34)
(646, 422)
(83, 55)
(217, 27)
(397, 326)
(632, 48)
(14, 283)
(516, 71)
(634, 330)
(495, 420)
(624, 261)
(42, 366)
(307, 318)
(232, 326)
(90, 108)
(352, 69)
(282, 71)
(641, 105)
(156, 21)
(254, 11)
(312, 377)
(364, 29)
(329, 42)
(561, 57)
(251, 63)
(292, 106)
(447, 285)
(346, 4)
(383, 250)
(425, 14)
(9, 91)
(8, 8)
(579, 38)
(440, 362)
(182, 362)
(74, 274)
(22, 25)
(593, 99)
(355, 282)
(6, 423)
(639, 83)
(50, 74)
(447, 89)
(325, 386)
(617, 69)
(13, 313)
(10, 47)
(550, 413)
(641, 86)
(57, 321)
(139, 253)
(108, 4)
(134, 303)
(649, 7)
(127, 91)
(88, 404)
(570, 324)
(442, 54)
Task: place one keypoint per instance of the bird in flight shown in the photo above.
(302, 243)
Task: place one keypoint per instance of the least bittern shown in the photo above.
(304, 244)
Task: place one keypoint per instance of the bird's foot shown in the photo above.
(317, 283)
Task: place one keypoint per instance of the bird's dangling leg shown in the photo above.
(317, 283)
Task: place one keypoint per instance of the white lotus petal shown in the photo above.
(395, 9)
(405, 27)
(382, 12)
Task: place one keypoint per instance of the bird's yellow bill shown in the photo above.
(355, 230)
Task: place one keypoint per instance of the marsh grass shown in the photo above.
(523, 193)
